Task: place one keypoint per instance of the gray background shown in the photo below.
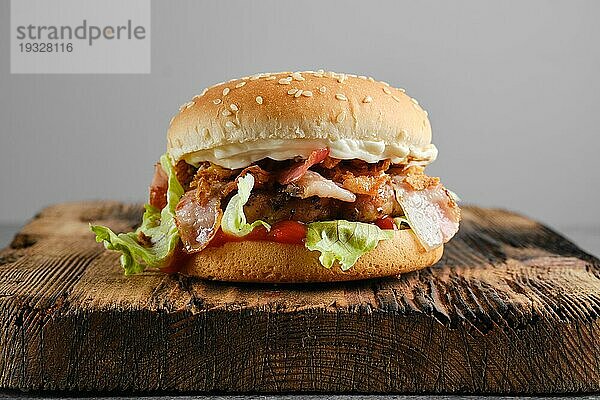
(512, 89)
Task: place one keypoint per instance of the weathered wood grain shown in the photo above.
(512, 307)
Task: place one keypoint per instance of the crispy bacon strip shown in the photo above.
(359, 167)
(365, 184)
(209, 181)
(197, 223)
(198, 214)
(330, 162)
(158, 188)
(313, 184)
(417, 180)
(185, 173)
(298, 170)
(421, 181)
(432, 212)
(261, 177)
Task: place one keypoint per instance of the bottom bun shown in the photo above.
(254, 261)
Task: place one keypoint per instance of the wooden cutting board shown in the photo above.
(512, 307)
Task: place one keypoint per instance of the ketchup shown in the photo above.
(291, 232)
(386, 223)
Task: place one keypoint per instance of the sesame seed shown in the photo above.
(225, 91)
(196, 97)
(342, 78)
(226, 113)
(414, 101)
(204, 91)
(352, 76)
(285, 81)
(386, 90)
(385, 83)
(188, 105)
(341, 96)
(217, 101)
(396, 98)
(322, 89)
(259, 99)
(341, 117)
(271, 78)
(292, 91)
(364, 78)
(171, 121)
(297, 76)
(426, 113)
(233, 107)
(367, 99)
(298, 93)
(402, 90)
(320, 71)
(307, 93)
(239, 85)
(255, 77)
(229, 124)
(370, 79)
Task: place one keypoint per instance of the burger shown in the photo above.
(293, 177)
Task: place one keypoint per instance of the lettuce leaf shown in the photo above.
(343, 241)
(158, 225)
(234, 220)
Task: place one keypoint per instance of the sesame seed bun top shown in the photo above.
(283, 115)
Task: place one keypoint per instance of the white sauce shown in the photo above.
(240, 155)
